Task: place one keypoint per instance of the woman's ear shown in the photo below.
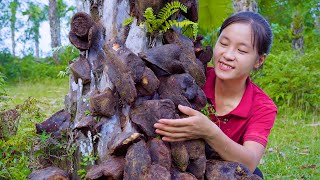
(260, 61)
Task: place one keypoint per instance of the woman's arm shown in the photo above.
(198, 126)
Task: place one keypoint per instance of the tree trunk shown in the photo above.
(54, 28)
(317, 22)
(297, 31)
(245, 5)
(13, 43)
(13, 8)
(36, 32)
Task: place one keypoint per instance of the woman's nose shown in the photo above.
(229, 54)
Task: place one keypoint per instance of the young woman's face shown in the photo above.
(234, 55)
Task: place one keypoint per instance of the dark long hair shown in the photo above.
(262, 33)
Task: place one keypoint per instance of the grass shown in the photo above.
(293, 151)
(39, 101)
(49, 92)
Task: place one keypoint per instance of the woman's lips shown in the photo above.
(225, 67)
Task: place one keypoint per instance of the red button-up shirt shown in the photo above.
(251, 120)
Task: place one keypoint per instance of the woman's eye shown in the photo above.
(223, 44)
(242, 51)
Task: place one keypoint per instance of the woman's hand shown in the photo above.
(195, 126)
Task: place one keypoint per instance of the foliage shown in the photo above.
(281, 38)
(161, 23)
(20, 153)
(2, 85)
(36, 15)
(212, 14)
(69, 52)
(14, 156)
(291, 80)
(127, 21)
(27, 68)
(208, 110)
(63, 8)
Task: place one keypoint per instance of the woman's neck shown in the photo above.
(228, 95)
(230, 89)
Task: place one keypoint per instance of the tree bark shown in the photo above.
(297, 32)
(54, 28)
(37, 48)
(13, 43)
(317, 23)
(245, 5)
(13, 8)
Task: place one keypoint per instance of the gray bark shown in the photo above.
(317, 23)
(245, 5)
(54, 28)
(37, 48)
(297, 32)
(13, 43)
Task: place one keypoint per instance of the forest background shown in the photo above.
(34, 83)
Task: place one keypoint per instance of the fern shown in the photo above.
(161, 23)
(170, 8)
(127, 21)
(150, 19)
(182, 24)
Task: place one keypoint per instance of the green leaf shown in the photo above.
(127, 21)
(213, 13)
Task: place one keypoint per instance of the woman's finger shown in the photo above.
(168, 139)
(175, 122)
(187, 110)
(171, 134)
(168, 128)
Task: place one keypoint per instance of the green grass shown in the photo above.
(293, 151)
(37, 101)
(49, 92)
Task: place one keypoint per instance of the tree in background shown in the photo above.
(13, 19)
(245, 5)
(57, 9)
(297, 30)
(297, 16)
(36, 15)
(54, 21)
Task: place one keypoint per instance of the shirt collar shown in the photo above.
(244, 107)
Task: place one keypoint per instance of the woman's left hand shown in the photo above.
(195, 126)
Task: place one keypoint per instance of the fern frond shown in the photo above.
(170, 8)
(181, 24)
(195, 27)
(149, 15)
(127, 21)
(150, 19)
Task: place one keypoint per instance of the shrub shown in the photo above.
(292, 80)
(2, 84)
(29, 69)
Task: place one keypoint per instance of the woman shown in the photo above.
(244, 115)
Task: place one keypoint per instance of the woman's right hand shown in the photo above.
(195, 126)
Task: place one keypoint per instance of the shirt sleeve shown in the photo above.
(260, 125)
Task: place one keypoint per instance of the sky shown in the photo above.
(45, 38)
